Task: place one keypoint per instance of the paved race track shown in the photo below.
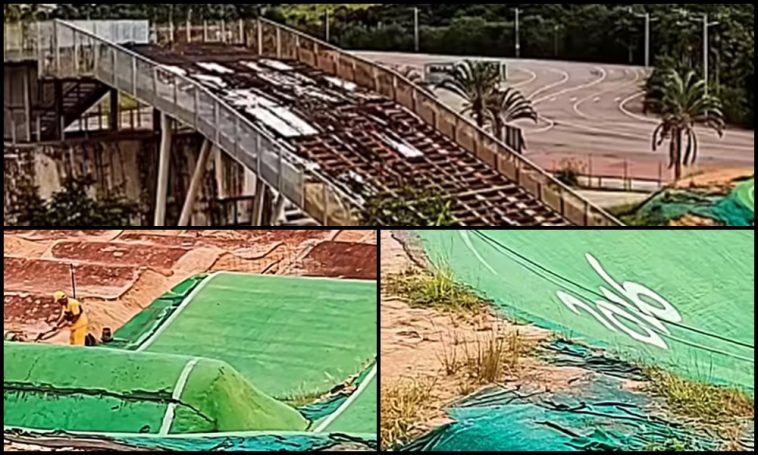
(595, 110)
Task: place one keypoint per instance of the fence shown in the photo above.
(608, 173)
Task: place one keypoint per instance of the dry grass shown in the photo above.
(403, 405)
(435, 288)
(707, 403)
(484, 359)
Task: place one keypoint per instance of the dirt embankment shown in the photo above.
(418, 344)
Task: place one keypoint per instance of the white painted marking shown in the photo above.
(168, 417)
(467, 240)
(151, 339)
(364, 385)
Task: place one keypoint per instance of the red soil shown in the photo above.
(29, 307)
(53, 234)
(342, 259)
(158, 256)
(48, 276)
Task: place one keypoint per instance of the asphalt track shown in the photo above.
(595, 110)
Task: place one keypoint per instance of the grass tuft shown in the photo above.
(706, 402)
(403, 404)
(486, 358)
(436, 288)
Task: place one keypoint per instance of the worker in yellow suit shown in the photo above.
(72, 315)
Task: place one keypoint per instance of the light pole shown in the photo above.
(518, 35)
(706, 46)
(326, 25)
(648, 20)
(416, 37)
(556, 28)
(706, 27)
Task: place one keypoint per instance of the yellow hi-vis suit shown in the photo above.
(79, 328)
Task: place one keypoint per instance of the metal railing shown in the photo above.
(278, 41)
(276, 163)
(187, 101)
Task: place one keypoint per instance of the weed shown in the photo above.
(706, 402)
(402, 406)
(435, 288)
(449, 355)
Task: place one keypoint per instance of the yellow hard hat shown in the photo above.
(58, 296)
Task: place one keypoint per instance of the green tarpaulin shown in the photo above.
(680, 299)
(218, 354)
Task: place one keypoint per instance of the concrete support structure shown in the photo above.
(58, 94)
(218, 160)
(278, 214)
(196, 183)
(260, 196)
(167, 129)
(113, 117)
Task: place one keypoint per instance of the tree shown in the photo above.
(684, 105)
(71, 206)
(475, 82)
(408, 207)
(507, 106)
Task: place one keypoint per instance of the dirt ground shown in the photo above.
(119, 273)
(718, 181)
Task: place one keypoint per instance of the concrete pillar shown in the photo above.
(58, 94)
(249, 182)
(156, 120)
(260, 194)
(163, 167)
(218, 164)
(278, 213)
(196, 183)
(267, 218)
(113, 118)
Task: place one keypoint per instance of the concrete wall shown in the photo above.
(128, 165)
(19, 96)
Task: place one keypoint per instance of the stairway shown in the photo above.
(294, 217)
(77, 97)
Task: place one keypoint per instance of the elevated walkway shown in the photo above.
(393, 131)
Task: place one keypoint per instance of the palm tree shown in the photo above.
(505, 107)
(684, 104)
(475, 82)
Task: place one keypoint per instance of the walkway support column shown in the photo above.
(114, 108)
(260, 195)
(278, 213)
(163, 168)
(196, 183)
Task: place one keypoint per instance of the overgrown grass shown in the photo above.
(486, 358)
(435, 288)
(403, 405)
(707, 403)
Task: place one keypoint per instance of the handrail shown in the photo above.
(443, 107)
(284, 151)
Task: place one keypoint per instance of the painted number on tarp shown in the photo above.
(627, 304)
